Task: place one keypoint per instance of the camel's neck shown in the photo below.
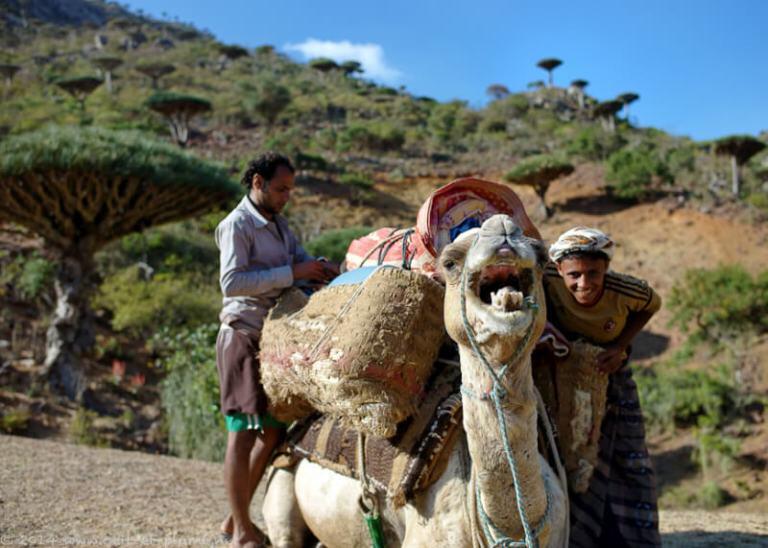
(489, 461)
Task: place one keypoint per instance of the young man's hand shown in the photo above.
(313, 270)
(610, 359)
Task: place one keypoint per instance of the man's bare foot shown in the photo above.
(250, 537)
(227, 527)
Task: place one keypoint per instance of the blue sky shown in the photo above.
(700, 66)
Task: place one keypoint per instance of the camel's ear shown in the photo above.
(542, 256)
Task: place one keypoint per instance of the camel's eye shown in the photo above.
(449, 264)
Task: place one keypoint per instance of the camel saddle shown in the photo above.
(400, 466)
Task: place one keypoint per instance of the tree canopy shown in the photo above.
(232, 52)
(549, 64)
(155, 71)
(66, 184)
(79, 88)
(323, 64)
(178, 109)
(538, 172)
(497, 91)
(78, 189)
(742, 147)
(351, 67)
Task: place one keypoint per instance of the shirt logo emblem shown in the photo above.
(610, 325)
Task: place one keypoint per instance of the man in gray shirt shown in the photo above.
(260, 257)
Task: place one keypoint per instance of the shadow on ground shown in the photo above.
(595, 205)
(673, 466)
(719, 538)
(649, 345)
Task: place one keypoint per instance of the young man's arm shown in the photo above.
(615, 353)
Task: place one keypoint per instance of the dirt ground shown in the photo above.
(54, 494)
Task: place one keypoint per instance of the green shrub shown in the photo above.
(759, 200)
(82, 430)
(593, 143)
(29, 275)
(333, 244)
(630, 173)
(713, 447)
(310, 162)
(357, 180)
(724, 302)
(36, 274)
(142, 306)
(190, 392)
(371, 137)
(14, 421)
(673, 397)
(449, 122)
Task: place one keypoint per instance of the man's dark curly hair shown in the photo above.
(265, 165)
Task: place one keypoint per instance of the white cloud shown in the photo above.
(370, 56)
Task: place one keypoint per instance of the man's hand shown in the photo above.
(610, 359)
(318, 271)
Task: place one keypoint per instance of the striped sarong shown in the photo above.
(620, 506)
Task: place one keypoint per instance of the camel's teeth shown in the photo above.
(506, 299)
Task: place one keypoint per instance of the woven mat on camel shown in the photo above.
(410, 461)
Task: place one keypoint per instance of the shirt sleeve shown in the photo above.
(649, 302)
(653, 304)
(234, 277)
(301, 255)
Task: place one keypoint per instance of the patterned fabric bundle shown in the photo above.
(581, 239)
(450, 210)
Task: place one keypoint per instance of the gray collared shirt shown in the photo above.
(255, 264)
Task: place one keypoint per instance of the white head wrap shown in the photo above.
(584, 239)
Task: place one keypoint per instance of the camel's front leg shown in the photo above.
(285, 525)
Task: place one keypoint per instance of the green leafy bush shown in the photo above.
(630, 172)
(673, 397)
(36, 274)
(593, 143)
(724, 302)
(190, 392)
(82, 430)
(29, 275)
(371, 136)
(333, 244)
(142, 306)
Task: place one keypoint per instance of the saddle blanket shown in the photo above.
(409, 462)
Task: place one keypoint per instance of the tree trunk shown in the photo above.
(70, 332)
(549, 78)
(735, 175)
(108, 78)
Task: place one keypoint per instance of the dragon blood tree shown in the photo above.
(539, 172)
(606, 113)
(80, 188)
(79, 88)
(740, 148)
(627, 99)
(549, 65)
(107, 65)
(155, 71)
(8, 72)
(178, 110)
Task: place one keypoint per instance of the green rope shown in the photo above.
(495, 395)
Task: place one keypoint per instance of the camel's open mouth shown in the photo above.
(503, 286)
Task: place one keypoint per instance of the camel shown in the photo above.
(493, 282)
